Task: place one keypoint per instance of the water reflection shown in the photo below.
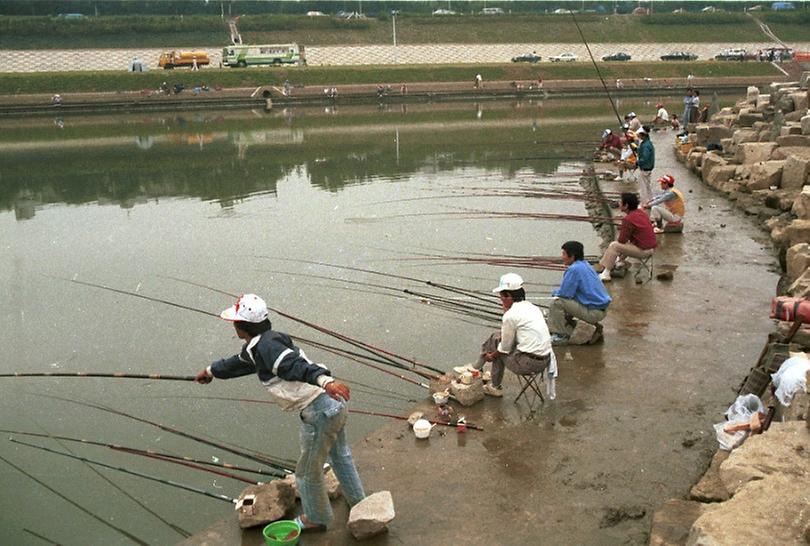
(227, 156)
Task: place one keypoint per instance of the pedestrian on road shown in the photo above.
(479, 81)
(296, 384)
(194, 63)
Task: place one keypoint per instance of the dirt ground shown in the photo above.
(631, 425)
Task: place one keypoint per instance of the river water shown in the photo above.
(228, 200)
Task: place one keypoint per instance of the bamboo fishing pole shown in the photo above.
(274, 464)
(117, 375)
(131, 472)
(136, 451)
(343, 337)
(194, 309)
(75, 504)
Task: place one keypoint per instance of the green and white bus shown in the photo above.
(255, 55)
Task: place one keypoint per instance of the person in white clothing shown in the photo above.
(524, 343)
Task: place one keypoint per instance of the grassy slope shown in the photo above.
(35, 33)
(61, 82)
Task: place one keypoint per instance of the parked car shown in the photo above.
(316, 14)
(527, 58)
(444, 12)
(679, 56)
(620, 56)
(492, 11)
(564, 57)
(731, 55)
(563, 11)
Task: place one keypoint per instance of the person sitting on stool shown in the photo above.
(524, 344)
(668, 205)
(636, 237)
(581, 295)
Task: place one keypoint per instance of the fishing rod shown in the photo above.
(44, 538)
(75, 504)
(471, 308)
(188, 308)
(131, 472)
(117, 375)
(343, 337)
(136, 451)
(403, 418)
(353, 410)
(176, 528)
(277, 465)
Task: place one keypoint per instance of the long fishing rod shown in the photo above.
(75, 504)
(187, 308)
(276, 465)
(43, 538)
(472, 308)
(176, 528)
(343, 337)
(131, 472)
(117, 375)
(136, 451)
(403, 418)
(353, 410)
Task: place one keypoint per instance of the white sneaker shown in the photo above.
(491, 390)
(604, 276)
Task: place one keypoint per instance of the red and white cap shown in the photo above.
(248, 308)
(667, 179)
(510, 281)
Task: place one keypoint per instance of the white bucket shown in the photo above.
(421, 428)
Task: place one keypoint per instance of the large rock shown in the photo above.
(719, 175)
(781, 451)
(371, 516)
(751, 94)
(671, 524)
(798, 231)
(261, 504)
(797, 260)
(744, 135)
(799, 100)
(805, 121)
(467, 395)
(785, 103)
(754, 152)
(582, 334)
(786, 151)
(769, 511)
(747, 117)
(803, 79)
(796, 172)
(801, 287)
(707, 134)
(801, 206)
(793, 140)
(791, 129)
(710, 488)
(763, 102)
(764, 175)
(332, 484)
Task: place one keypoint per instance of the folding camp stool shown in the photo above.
(530, 388)
(644, 272)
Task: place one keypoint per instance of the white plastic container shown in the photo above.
(422, 428)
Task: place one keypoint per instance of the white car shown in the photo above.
(444, 12)
(564, 58)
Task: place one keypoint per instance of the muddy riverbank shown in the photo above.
(631, 425)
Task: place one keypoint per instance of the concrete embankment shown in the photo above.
(274, 96)
(758, 154)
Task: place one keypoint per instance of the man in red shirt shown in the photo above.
(636, 237)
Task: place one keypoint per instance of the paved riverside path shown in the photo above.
(56, 60)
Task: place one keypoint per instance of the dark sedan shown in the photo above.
(679, 56)
(621, 56)
(527, 58)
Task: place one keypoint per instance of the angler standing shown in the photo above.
(296, 384)
(524, 344)
(646, 163)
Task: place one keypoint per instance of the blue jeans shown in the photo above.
(323, 437)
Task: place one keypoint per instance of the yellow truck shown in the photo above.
(172, 59)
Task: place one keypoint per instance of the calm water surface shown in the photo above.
(226, 200)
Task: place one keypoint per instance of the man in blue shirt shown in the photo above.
(581, 295)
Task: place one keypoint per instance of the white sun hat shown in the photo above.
(510, 281)
(248, 308)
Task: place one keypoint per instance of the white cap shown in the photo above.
(606, 132)
(641, 131)
(510, 281)
(248, 308)
(631, 115)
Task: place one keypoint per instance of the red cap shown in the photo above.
(667, 179)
